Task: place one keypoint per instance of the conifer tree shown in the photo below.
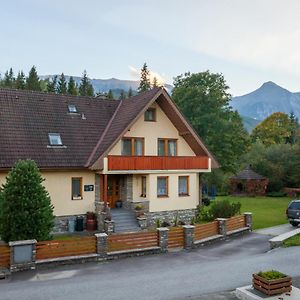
(145, 81)
(85, 88)
(62, 84)
(154, 83)
(122, 95)
(33, 81)
(51, 85)
(110, 94)
(130, 94)
(26, 211)
(9, 79)
(20, 81)
(72, 88)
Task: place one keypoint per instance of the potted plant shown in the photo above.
(118, 204)
(139, 210)
(272, 282)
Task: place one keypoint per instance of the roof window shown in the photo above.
(55, 139)
(72, 108)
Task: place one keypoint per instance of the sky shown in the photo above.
(248, 41)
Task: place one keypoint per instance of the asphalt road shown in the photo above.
(176, 275)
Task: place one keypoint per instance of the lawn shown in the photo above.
(267, 211)
(292, 241)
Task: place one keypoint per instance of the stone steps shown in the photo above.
(125, 220)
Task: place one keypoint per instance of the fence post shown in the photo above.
(101, 244)
(163, 238)
(248, 220)
(188, 236)
(22, 255)
(222, 226)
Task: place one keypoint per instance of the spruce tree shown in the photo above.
(130, 94)
(145, 81)
(33, 81)
(122, 95)
(154, 83)
(62, 84)
(9, 79)
(110, 94)
(20, 81)
(85, 88)
(72, 88)
(26, 211)
(52, 85)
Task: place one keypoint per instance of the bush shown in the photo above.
(26, 211)
(276, 194)
(206, 200)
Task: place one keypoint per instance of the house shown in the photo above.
(93, 152)
(248, 182)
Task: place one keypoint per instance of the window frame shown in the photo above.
(144, 186)
(166, 146)
(187, 186)
(133, 148)
(167, 186)
(81, 188)
(72, 107)
(154, 114)
(57, 135)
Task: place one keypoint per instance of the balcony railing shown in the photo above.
(121, 163)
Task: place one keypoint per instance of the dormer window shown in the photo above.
(72, 109)
(55, 139)
(150, 115)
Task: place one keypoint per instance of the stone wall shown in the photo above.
(170, 216)
(61, 223)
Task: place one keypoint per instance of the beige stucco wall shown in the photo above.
(151, 131)
(173, 201)
(59, 186)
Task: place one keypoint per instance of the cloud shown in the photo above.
(135, 74)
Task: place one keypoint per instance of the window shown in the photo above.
(55, 139)
(76, 188)
(183, 185)
(144, 188)
(72, 108)
(133, 146)
(167, 147)
(162, 186)
(150, 115)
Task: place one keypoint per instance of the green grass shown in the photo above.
(267, 211)
(292, 241)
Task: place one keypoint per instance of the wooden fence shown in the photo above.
(203, 231)
(236, 222)
(176, 237)
(62, 248)
(4, 256)
(129, 241)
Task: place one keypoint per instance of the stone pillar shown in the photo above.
(109, 226)
(142, 222)
(248, 220)
(102, 245)
(163, 238)
(22, 255)
(188, 236)
(222, 226)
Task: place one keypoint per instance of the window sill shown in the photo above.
(56, 146)
(77, 198)
(162, 196)
(184, 195)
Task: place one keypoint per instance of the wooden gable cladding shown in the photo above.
(119, 162)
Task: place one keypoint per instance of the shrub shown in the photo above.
(26, 211)
(139, 207)
(276, 194)
(206, 201)
(272, 274)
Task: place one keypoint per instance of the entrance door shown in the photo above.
(112, 190)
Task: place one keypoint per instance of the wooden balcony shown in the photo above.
(122, 163)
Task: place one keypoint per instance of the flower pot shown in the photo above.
(273, 286)
(118, 204)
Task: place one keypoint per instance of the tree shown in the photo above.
(110, 94)
(154, 83)
(122, 95)
(204, 99)
(51, 85)
(72, 88)
(276, 129)
(26, 210)
(20, 81)
(145, 81)
(62, 84)
(85, 88)
(9, 78)
(32, 81)
(294, 129)
(130, 93)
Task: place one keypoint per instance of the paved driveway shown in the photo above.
(276, 230)
(176, 275)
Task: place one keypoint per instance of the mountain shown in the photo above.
(249, 123)
(104, 85)
(267, 99)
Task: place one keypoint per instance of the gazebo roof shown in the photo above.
(248, 174)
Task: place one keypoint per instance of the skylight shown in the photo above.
(54, 139)
(72, 108)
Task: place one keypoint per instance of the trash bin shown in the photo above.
(79, 223)
(71, 225)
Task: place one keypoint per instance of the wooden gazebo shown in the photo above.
(248, 182)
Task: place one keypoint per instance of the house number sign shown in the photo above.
(88, 188)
